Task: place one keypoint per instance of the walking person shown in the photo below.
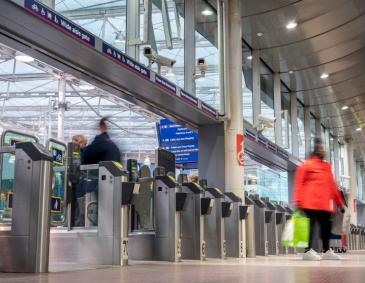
(315, 194)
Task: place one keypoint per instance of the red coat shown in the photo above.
(315, 187)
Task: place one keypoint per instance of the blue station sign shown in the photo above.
(126, 61)
(179, 140)
(59, 22)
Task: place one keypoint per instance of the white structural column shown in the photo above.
(233, 126)
(337, 159)
(49, 3)
(189, 46)
(256, 87)
(318, 128)
(294, 124)
(133, 29)
(61, 108)
(277, 109)
(351, 170)
(307, 131)
(326, 142)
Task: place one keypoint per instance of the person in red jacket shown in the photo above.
(316, 193)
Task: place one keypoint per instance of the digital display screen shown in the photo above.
(57, 156)
(166, 159)
(179, 140)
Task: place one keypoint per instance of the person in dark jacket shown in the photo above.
(102, 147)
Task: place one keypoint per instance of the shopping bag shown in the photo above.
(296, 231)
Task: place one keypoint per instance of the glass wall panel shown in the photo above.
(165, 26)
(103, 18)
(247, 84)
(266, 182)
(313, 130)
(286, 118)
(301, 133)
(267, 99)
(206, 37)
(332, 153)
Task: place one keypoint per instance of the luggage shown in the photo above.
(296, 231)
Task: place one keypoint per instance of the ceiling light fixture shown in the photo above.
(345, 107)
(291, 72)
(259, 34)
(291, 25)
(324, 76)
(249, 57)
(24, 58)
(207, 12)
(358, 129)
(86, 87)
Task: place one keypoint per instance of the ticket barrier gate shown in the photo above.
(214, 224)
(164, 243)
(262, 218)
(198, 207)
(106, 243)
(234, 227)
(280, 224)
(250, 227)
(272, 234)
(25, 244)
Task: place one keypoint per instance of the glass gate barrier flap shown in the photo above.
(58, 197)
(9, 138)
(26, 244)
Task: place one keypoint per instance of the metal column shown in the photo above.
(307, 131)
(61, 108)
(189, 46)
(294, 124)
(336, 159)
(256, 87)
(277, 109)
(318, 128)
(352, 173)
(133, 29)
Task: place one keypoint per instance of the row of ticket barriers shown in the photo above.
(59, 211)
(356, 237)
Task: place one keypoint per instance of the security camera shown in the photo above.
(202, 66)
(154, 57)
(265, 122)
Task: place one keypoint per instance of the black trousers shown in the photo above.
(323, 220)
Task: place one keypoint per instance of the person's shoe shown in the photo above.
(330, 255)
(311, 255)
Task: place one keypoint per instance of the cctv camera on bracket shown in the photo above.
(202, 66)
(265, 122)
(154, 57)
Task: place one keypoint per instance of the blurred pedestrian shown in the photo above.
(315, 194)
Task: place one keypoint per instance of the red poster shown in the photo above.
(239, 149)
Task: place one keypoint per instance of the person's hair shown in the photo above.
(103, 123)
(317, 146)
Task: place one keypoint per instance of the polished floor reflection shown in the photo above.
(283, 269)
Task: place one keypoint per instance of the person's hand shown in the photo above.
(342, 209)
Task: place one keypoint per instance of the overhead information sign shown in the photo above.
(189, 98)
(126, 61)
(59, 22)
(166, 84)
(179, 140)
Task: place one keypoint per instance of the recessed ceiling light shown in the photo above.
(259, 34)
(86, 87)
(291, 72)
(207, 12)
(24, 58)
(358, 129)
(249, 57)
(324, 76)
(345, 107)
(291, 25)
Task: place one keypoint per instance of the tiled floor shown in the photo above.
(283, 269)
